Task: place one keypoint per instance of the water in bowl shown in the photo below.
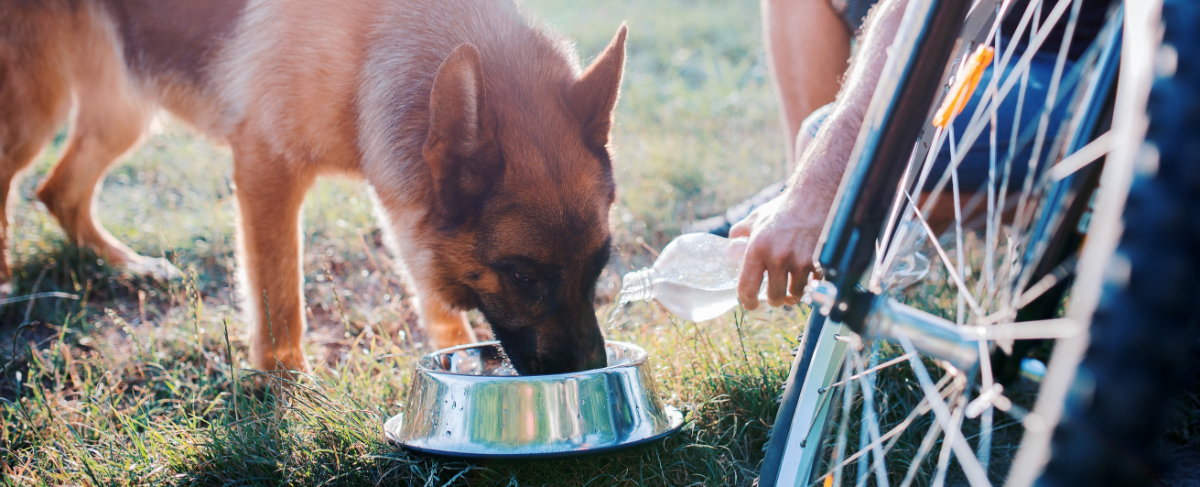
(492, 361)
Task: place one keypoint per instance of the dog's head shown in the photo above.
(525, 194)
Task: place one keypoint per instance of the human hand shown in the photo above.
(782, 239)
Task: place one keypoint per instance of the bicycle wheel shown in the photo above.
(899, 394)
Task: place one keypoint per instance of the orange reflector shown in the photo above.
(828, 481)
(964, 86)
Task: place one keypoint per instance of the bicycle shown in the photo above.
(1113, 357)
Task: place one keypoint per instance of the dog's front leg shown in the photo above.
(445, 326)
(270, 193)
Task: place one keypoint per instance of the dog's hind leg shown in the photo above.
(34, 100)
(14, 156)
(270, 193)
(109, 120)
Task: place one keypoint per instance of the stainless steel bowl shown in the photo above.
(467, 402)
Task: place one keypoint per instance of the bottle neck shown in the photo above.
(638, 285)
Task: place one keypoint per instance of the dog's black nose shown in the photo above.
(597, 363)
(596, 359)
(566, 361)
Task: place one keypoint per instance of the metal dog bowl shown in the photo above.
(468, 402)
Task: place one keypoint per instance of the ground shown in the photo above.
(131, 382)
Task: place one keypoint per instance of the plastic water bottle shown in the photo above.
(695, 277)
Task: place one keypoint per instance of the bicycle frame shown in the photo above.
(921, 51)
(931, 25)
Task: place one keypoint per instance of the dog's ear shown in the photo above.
(461, 148)
(594, 95)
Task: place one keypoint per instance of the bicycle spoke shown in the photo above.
(992, 397)
(966, 458)
(892, 435)
(962, 287)
(1039, 35)
(883, 260)
(958, 238)
(864, 468)
(989, 252)
(1044, 123)
(871, 370)
(1047, 282)
(872, 424)
(820, 405)
(847, 402)
(1087, 154)
(926, 445)
(905, 217)
(1025, 330)
(864, 462)
(952, 435)
(985, 423)
(976, 124)
(988, 105)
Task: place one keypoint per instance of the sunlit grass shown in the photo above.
(159, 403)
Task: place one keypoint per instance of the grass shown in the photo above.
(139, 382)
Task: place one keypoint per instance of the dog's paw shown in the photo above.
(157, 268)
(288, 365)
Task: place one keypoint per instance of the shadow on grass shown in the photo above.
(118, 403)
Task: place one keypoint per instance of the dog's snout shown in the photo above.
(598, 359)
(571, 359)
(570, 352)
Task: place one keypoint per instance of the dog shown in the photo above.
(484, 142)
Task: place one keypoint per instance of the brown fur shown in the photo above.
(485, 145)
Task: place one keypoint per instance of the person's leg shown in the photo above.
(973, 170)
(808, 50)
(808, 47)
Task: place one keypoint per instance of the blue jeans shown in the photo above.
(973, 171)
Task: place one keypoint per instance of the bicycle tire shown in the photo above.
(1147, 320)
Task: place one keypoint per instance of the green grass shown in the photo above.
(146, 383)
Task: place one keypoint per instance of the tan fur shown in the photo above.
(305, 88)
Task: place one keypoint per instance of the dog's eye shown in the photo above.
(522, 277)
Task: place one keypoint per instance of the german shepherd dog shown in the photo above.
(484, 142)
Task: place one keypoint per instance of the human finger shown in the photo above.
(777, 279)
(741, 228)
(750, 281)
(800, 277)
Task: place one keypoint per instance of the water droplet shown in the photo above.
(447, 433)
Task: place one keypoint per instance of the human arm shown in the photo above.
(783, 234)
